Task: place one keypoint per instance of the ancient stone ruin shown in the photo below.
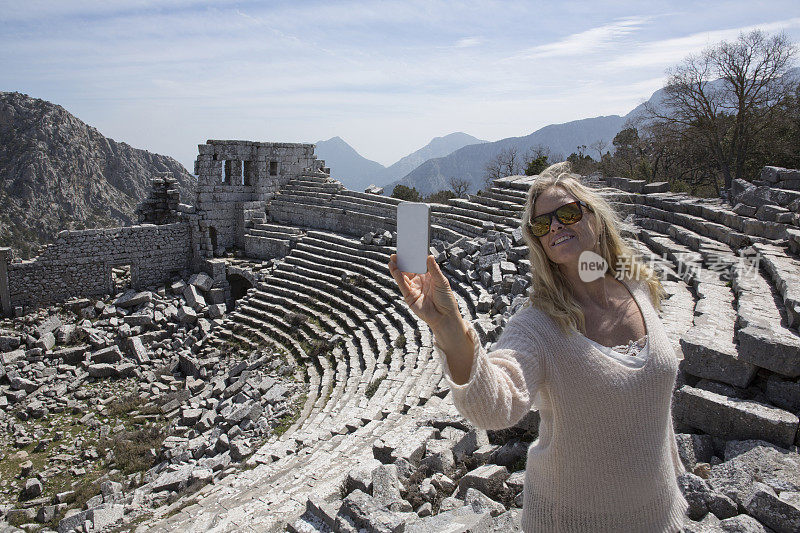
(259, 333)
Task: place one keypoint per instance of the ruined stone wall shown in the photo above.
(233, 173)
(79, 262)
(330, 218)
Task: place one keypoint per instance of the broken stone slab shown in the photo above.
(186, 314)
(481, 503)
(12, 357)
(20, 383)
(216, 310)
(48, 325)
(768, 349)
(488, 479)
(708, 356)
(134, 348)
(774, 466)
(694, 449)
(702, 499)
(439, 456)
(72, 355)
(733, 418)
(780, 513)
(133, 298)
(386, 489)
(474, 439)
(360, 477)
(9, 343)
(110, 355)
(101, 517)
(103, 370)
(193, 298)
(461, 520)
(202, 281)
(188, 365)
(365, 513)
(46, 341)
(173, 481)
(138, 319)
(239, 450)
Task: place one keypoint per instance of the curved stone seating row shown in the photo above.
(784, 270)
(360, 352)
(740, 343)
(713, 219)
(275, 332)
(306, 332)
(335, 321)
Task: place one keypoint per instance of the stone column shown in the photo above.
(5, 296)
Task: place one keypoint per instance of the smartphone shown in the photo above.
(413, 237)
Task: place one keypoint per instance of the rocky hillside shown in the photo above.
(56, 172)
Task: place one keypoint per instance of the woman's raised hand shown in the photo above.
(428, 295)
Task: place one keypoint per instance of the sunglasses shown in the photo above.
(566, 214)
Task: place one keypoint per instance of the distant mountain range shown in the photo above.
(58, 173)
(357, 172)
(431, 172)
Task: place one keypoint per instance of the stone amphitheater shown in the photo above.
(378, 444)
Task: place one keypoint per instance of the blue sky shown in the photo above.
(385, 76)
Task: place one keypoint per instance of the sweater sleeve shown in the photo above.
(502, 383)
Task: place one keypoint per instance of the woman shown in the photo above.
(605, 458)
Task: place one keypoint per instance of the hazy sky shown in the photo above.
(385, 76)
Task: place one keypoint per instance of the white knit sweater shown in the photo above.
(605, 459)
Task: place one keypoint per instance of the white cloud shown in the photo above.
(468, 42)
(587, 42)
(671, 51)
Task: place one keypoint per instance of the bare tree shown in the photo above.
(459, 186)
(505, 163)
(599, 145)
(727, 96)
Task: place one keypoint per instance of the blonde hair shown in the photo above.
(550, 291)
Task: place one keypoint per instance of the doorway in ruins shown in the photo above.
(239, 286)
(212, 234)
(121, 278)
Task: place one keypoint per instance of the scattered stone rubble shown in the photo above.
(736, 401)
(110, 410)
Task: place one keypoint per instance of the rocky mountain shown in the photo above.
(469, 162)
(357, 172)
(438, 147)
(56, 172)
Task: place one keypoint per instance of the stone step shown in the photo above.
(278, 228)
(716, 211)
(388, 200)
(704, 229)
(472, 211)
(507, 195)
(784, 271)
(731, 418)
(515, 183)
(765, 339)
(299, 283)
(709, 347)
(354, 205)
(298, 197)
(513, 208)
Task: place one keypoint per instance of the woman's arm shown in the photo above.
(501, 384)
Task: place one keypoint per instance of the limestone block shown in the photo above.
(733, 418)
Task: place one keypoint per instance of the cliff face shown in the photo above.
(56, 172)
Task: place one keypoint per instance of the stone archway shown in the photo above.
(239, 286)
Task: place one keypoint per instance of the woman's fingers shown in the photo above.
(398, 276)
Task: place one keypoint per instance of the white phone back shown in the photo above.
(413, 237)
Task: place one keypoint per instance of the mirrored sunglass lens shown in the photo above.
(569, 214)
(540, 226)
